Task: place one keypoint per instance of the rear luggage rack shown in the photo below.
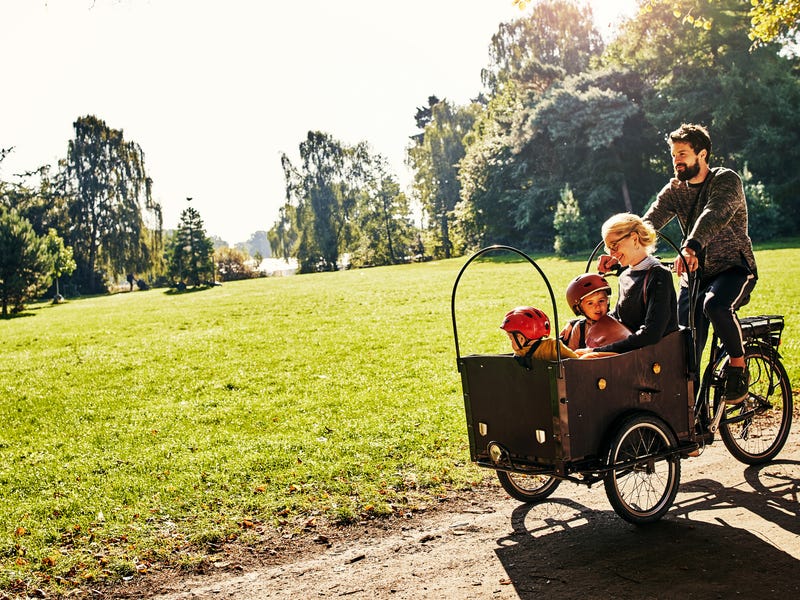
(767, 328)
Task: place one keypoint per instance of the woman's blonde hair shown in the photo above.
(623, 224)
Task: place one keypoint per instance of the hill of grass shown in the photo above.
(148, 427)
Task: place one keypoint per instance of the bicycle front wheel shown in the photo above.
(755, 431)
(644, 476)
(528, 488)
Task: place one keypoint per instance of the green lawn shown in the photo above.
(148, 427)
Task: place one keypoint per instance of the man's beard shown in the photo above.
(689, 172)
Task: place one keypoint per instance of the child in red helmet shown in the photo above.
(528, 328)
(587, 296)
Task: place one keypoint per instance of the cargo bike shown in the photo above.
(626, 420)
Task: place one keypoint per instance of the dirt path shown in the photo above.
(733, 531)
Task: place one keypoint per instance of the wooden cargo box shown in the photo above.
(545, 420)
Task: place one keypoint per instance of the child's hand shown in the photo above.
(606, 263)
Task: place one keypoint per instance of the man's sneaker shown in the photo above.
(736, 384)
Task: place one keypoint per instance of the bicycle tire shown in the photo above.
(641, 487)
(528, 488)
(755, 431)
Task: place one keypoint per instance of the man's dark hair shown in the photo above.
(695, 135)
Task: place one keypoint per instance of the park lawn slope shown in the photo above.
(147, 428)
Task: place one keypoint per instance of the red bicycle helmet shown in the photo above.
(582, 286)
(527, 320)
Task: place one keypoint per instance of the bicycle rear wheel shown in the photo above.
(755, 431)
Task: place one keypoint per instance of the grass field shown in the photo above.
(146, 428)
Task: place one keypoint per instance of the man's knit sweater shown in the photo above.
(719, 231)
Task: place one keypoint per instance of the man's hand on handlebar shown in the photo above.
(690, 257)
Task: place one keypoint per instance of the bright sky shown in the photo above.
(214, 91)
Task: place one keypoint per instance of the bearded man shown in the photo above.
(711, 208)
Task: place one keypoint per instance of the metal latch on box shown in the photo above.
(646, 396)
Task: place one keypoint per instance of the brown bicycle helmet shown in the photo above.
(582, 286)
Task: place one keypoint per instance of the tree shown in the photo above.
(774, 20)
(116, 225)
(540, 133)
(585, 132)
(602, 130)
(764, 218)
(770, 20)
(323, 191)
(63, 261)
(383, 228)
(570, 226)
(218, 242)
(283, 235)
(489, 178)
(746, 96)
(258, 242)
(25, 263)
(39, 197)
(423, 116)
(435, 161)
(191, 251)
(557, 39)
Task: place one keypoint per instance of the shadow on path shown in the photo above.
(565, 550)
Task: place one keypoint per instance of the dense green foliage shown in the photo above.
(26, 261)
(434, 157)
(147, 428)
(385, 234)
(559, 108)
(63, 260)
(773, 20)
(570, 226)
(110, 193)
(99, 203)
(563, 110)
(770, 20)
(341, 199)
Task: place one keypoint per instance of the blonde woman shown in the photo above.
(646, 304)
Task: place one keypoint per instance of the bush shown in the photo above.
(764, 218)
(570, 226)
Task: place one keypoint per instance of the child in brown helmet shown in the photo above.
(587, 296)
